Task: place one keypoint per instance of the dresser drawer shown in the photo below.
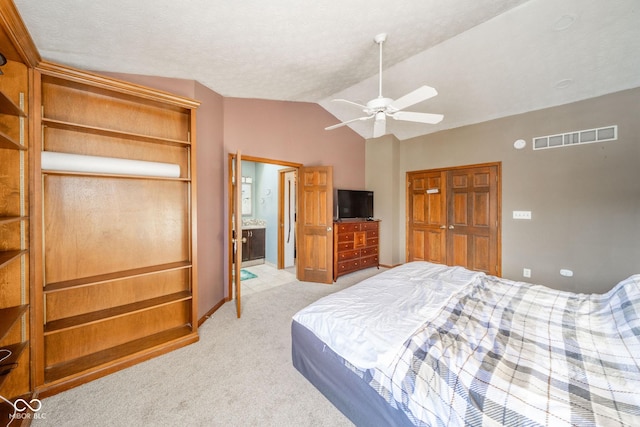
(373, 250)
(344, 246)
(371, 261)
(366, 226)
(342, 256)
(345, 237)
(346, 266)
(372, 233)
(347, 227)
(372, 242)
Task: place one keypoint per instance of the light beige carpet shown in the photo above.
(238, 374)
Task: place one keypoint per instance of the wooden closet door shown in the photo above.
(427, 217)
(472, 210)
(453, 217)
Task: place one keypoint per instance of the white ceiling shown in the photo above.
(486, 58)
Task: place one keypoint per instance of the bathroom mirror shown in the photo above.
(246, 195)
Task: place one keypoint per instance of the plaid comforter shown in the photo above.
(510, 353)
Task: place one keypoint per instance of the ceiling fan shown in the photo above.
(381, 107)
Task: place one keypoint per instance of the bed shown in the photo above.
(429, 345)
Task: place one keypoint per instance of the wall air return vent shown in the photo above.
(588, 136)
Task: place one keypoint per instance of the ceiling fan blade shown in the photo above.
(349, 121)
(379, 127)
(410, 116)
(421, 94)
(349, 102)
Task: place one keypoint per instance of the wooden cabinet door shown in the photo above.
(315, 224)
(453, 217)
(246, 245)
(257, 248)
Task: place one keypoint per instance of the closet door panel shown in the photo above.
(426, 216)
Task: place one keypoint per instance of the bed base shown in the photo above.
(344, 389)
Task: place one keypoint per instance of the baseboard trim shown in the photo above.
(210, 312)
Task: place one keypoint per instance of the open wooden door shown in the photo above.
(237, 230)
(315, 224)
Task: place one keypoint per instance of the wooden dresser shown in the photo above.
(355, 246)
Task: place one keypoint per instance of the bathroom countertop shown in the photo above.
(253, 223)
(253, 227)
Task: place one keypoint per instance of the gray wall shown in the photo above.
(584, 199)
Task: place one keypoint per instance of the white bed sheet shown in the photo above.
(367, 323)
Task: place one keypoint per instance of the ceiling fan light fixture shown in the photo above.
(379, 108)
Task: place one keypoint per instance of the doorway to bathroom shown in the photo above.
(268, 226)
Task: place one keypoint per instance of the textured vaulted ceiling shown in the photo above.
(486, 58)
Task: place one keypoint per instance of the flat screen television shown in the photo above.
(352, 204)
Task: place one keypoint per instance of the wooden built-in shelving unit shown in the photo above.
(15, 373)
(118, 279)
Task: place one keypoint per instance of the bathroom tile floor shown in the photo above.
(268, 277)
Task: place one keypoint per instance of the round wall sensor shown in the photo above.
(520, 144)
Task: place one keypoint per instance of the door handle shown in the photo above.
(244, 240)
(451, 227)
(328, 228)
(443, 226)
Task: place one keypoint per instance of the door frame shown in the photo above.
(408, 213)
(230, 160)
(281, 231)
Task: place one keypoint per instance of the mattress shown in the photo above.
(491, 352)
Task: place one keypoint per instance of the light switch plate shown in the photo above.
(521, 214)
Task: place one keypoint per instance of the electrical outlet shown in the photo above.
(566, 273)
(521, 214)
(526, 272)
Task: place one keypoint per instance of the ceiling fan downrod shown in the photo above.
(380, 39)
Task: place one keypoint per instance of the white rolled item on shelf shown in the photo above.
(65, 162)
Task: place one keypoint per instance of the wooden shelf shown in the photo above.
(9, 316)
(126, 274)
(9, 143)
(16, 350)
(58, 124)
(7, 256)
(7, 106)
(111, 355)
(110, 313)
(106, 175)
